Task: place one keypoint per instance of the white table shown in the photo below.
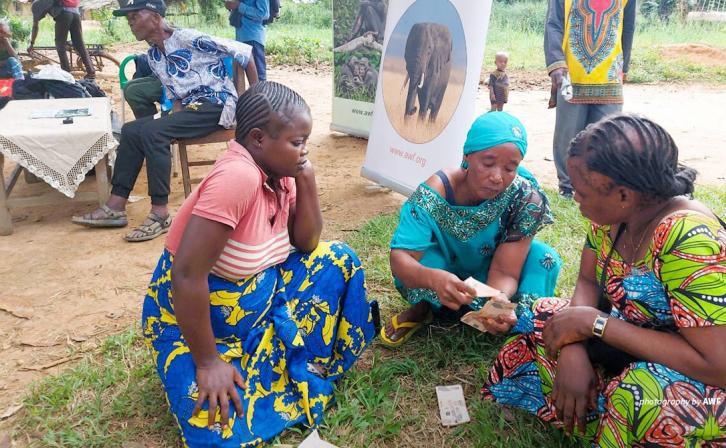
(59, 154)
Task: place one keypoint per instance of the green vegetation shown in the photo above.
(304, 35)
(518, 29)
(114, 396)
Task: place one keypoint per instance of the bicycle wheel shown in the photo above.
(98, 58)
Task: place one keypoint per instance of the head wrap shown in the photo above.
(495, 128)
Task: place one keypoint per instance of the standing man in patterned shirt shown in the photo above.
(192, 68)
(587, 44)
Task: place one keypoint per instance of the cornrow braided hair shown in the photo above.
(636, 153)
(258, 104)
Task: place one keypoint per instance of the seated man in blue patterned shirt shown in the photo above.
(192, 68)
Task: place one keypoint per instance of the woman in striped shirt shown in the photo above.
(250, 318)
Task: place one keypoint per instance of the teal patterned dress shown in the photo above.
(462, 239)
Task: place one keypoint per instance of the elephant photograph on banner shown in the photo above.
(424, 70)
(358, 31)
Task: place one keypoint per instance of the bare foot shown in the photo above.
(416, 313)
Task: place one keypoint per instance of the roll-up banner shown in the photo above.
(430, 71)
(358, 30)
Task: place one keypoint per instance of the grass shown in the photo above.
(113, 397)
(303, 35)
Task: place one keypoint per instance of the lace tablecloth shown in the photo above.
(60, 154)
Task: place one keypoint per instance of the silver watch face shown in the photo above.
(599, 326)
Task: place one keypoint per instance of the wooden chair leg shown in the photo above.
(184, 162)
(102, 186)
(175, 160)
(6, 221)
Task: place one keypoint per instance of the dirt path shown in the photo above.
(64, 288)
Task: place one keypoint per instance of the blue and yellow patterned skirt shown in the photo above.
(292, 330)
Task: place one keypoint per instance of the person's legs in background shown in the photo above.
(153, 139)
(149, 140)
(79, 45)
(570, 119)
(258, 53)
(142, 94)
(62, 27)
(597, 112)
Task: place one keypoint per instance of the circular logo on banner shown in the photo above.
(424, 70)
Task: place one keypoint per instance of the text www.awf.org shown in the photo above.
(409, 155)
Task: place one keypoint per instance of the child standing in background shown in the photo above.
(499, 82)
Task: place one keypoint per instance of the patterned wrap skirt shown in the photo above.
(291, 330)
(646, 405)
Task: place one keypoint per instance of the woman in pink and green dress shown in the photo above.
(647, 367)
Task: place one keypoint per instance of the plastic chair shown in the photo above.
(164, 102)
(123, 80)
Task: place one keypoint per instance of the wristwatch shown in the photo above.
(598, 327)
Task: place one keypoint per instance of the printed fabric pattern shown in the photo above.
(463, 239)
(593, 49)
(681, 282)
(292, 330)
(196, 68)
(519, 206)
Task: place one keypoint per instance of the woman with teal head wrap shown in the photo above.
(478, 220)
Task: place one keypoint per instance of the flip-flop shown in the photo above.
(413, 328)
(111, 218)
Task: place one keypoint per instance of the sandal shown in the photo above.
(148, 232)
(412, 326)
(111, 218)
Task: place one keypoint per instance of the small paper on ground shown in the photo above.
(314, 441)
(452, 406)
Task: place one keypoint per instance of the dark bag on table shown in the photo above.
(91, 87)
(36, 89)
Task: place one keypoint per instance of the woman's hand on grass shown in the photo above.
(216, 383)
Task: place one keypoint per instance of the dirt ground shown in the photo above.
(64, 288)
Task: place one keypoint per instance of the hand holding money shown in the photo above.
(496, 316)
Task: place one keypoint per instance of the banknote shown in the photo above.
(482, 289)
(491, 309)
